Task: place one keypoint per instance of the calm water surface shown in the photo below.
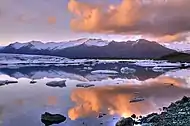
(23, 103)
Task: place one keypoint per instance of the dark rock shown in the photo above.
(57, 83)
(184, 66)
(185, 99)
(49, 119)
(163, 114)
(100, 115)
(114, 118)
(133, 116)
(137, 122)
(153, 119)
(125, 122)
(165, 108)
(84, 85)
(171, 84)
(136, 99)
(6, 82)
(150, 118)
(33, 82)
(172, 105)
(10, 82)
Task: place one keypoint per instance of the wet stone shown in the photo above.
(50, 119)
(125, 122)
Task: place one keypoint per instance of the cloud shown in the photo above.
(158, 18)
(172, 38)
(115, 99)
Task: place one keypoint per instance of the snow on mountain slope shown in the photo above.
(63, 45)
(179, 46)
(59, 45)
(96, 42)
(18, 45)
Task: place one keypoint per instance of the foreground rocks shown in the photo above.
(49, 119)
(125, 122)
(176, 114)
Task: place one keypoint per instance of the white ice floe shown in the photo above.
(87, 68)
(153, 63)
(161, 69)
(127, 70)
(21, 60)
(104, 72)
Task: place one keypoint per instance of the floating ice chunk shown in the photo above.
(104, 72)
(162, 69)
(158, 69)
(127, 70)
(88, 68)
(153, 63)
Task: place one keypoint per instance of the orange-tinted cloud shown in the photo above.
(172, 38)
(115, 99)
(155, 18)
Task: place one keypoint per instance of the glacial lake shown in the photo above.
(22, 103)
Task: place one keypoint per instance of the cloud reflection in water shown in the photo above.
(157, 92)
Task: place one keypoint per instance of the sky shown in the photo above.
(61, 20)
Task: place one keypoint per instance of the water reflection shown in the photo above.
(115, 99)
(52, 100)
(22, 103)
(79, 72)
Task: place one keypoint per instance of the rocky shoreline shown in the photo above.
(176, 114)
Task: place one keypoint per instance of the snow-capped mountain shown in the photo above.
(59, 45)
(179, 46)
(91, 48)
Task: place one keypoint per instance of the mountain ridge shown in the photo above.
(92, 48)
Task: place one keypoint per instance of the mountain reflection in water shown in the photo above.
(78, 72)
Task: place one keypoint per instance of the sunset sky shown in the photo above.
(59, 20)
